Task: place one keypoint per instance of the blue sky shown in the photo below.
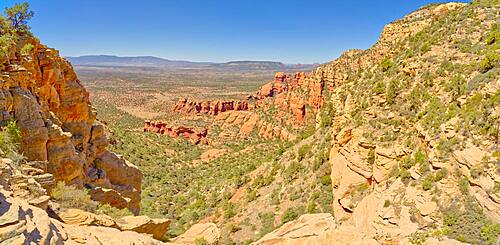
(291, 31)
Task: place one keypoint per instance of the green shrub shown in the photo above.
(489, 62)
(261, 181)
(371, 156)
(386, 64)
(490, 233)
(311, 207)
(378, 88)
(10, 138)
(441, 174)
(496, 188)
(291, 171)
(26, 49)
(303, 151)
(494, 35)
(426, 47)
(326, 115)
(387, 203)
(307, 132)
(289, 215)
(201, 241)
(251, 195)
(229, 210)
(463, 185)
(267, 222)
(71, 197)
(275, 197)
(6, 42)
(113, 212)
(469, 224)
(427, 183)
(326, 180)
(446, 147)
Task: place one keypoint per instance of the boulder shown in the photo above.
(207, 231)
(80, 217)
(143, 224)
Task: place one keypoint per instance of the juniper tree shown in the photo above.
(19, 15)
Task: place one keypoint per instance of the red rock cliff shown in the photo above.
(209, 107)
(42, 93)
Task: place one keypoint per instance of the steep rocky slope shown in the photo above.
(406, 147)
(42, 93)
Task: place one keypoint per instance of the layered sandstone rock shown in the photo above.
(193, 135)
(208, 106)
(24, 215)
(42, 93)
(22, 223)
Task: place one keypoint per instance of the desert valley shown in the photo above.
(395, 144)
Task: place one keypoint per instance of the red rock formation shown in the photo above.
(209, 107)
(42, 93)
(292, 94)
(249, 121)
(187, 133)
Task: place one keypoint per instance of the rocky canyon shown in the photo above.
(394, 144)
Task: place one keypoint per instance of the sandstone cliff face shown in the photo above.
(209, 107)
(292, 94)
(42, 93)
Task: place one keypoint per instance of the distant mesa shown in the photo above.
(132, 61)
(258, 65)
(157, 62)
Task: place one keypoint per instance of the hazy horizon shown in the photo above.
(291, 32)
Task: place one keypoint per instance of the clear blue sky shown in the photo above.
(291, 31)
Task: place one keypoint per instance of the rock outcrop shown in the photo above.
(193, 135)
(41, 92)
(314, 229)
(25, 219)
(208, 232)
(249, 122)
(292, 94)
(22, 223)
(209, 107)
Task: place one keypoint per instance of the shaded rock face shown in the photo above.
(193, 135)
(209, 107)
(42, 93)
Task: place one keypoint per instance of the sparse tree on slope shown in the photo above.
(19, 15)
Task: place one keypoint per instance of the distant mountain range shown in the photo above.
(152, 61)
